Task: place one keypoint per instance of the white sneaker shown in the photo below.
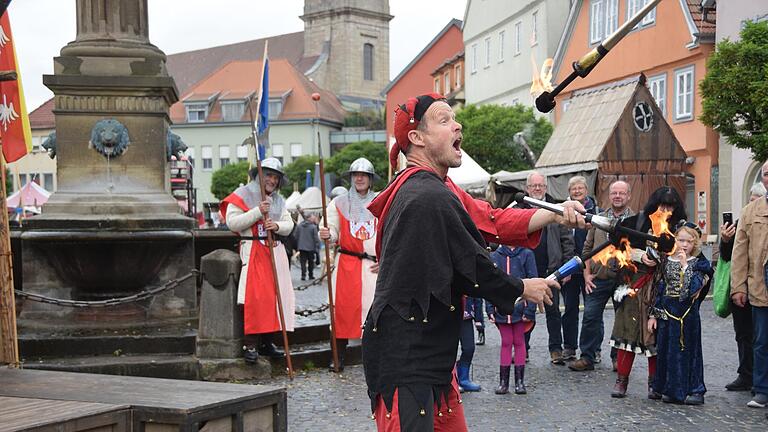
(759, 401)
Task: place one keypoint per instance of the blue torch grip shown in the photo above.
(570, 267)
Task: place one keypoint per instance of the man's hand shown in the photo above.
(589, 283)
(727, 231)
(647, 260)
(651, 324)
(374, 268)
(270, 225)
(325, 234)
(538, 290)
(491, 319)
(739, 299)
(572, 216)
(264, 207)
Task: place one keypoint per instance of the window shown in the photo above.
(487, 52)
(197, 112)
(242, 153)
(634, 6)
(603, 19)
(207, 157)
(232, 111)
(474, 58)
(223, 156)
(275, 109)
(368, 62)
(277, 152)
(457, 75)
(566, 104)
(518, 35)
(48, 182)
(447, 82)
(501, 46)
(296, 150)
(658, 87)
(437, 85)
(191, 155)
(534, 18)
(22, 180)
(684, 94)
(36, 142)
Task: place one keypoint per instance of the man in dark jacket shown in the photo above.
(555, 248)
(307, 243)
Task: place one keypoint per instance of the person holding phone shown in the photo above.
(742, 316)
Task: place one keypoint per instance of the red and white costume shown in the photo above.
(353, 281)
(256, 288)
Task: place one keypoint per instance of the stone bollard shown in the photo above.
(220, 332)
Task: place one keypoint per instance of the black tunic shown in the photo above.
(431, 255)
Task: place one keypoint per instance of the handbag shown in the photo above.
(721, 297)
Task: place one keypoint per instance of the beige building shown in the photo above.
(37, 166)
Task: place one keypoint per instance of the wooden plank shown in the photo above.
(162, 394)
(26, 414)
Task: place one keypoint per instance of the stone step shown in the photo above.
(153, 366)
(33, 347)
(315, 355)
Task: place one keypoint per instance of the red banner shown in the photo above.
(14, 121)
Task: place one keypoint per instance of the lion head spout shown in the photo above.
(109, 137)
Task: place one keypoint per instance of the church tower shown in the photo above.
(351, 41)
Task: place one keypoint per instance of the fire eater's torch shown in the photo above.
(546, 101)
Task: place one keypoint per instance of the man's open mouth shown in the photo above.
(457, 145)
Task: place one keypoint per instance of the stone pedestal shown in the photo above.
(220, 332)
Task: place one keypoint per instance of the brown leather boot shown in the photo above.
(620, 388)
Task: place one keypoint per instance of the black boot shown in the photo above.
(520, 380)
(503, 380)
(480, 336)
(249, 354)
(341, 345)
(652, 394)
(267, 348)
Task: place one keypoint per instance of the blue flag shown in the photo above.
(262, 117)
(308, 180)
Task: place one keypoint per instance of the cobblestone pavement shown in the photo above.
(557, 398)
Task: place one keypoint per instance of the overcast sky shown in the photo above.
(42, 27)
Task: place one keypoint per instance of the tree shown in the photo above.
(228, 178)
(376, 153)
(296, 172)
(735, 90)
(8, 183)
(489, 131)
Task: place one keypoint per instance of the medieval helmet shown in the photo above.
(338, 190)
(362, 165)
(274, 165)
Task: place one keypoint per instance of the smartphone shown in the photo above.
(728, 218)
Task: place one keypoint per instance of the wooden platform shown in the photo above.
(29, 414)
(156, 405)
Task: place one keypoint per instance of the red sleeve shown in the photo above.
(503, 226)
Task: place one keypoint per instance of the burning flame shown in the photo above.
(542, 80)
(622, 254)
(659, 224)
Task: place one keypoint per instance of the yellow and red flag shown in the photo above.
(14, 121)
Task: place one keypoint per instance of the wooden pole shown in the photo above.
(9, 345)
(270, 238)
(9, 342)
(329, 278)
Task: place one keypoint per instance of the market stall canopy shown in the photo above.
(470, 176)
(290, 202)
(31, 194)
(310, 200)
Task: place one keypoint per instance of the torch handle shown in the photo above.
(570, 267)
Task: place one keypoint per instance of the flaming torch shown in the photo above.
(546, 101)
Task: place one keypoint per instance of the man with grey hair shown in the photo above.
(749, 278)
(742, 316)
(555, 248)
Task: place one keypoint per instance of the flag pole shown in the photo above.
(270, 237)
(329, 278)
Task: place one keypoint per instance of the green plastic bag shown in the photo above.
(721, 297)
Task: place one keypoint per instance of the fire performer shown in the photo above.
(635, 299)
(250, 215)
(353, 227)
(431, 241)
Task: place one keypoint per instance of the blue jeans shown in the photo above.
(467, 341)
(592, 327)
(760, 350)
(572, 292)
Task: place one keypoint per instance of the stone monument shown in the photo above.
(112, 228)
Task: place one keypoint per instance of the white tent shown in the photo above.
(290, 202)
(470, 176)
(31, 194)
(310, 200)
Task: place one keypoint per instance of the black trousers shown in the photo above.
(307, 259)
(467, 341)
(742, 326)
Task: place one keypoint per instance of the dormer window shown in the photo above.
(275, 108)
(232, 111)
(196, 112)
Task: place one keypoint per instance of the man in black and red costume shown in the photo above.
(432, 248)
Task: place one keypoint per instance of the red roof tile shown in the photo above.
(42, 117)
(705, 28)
